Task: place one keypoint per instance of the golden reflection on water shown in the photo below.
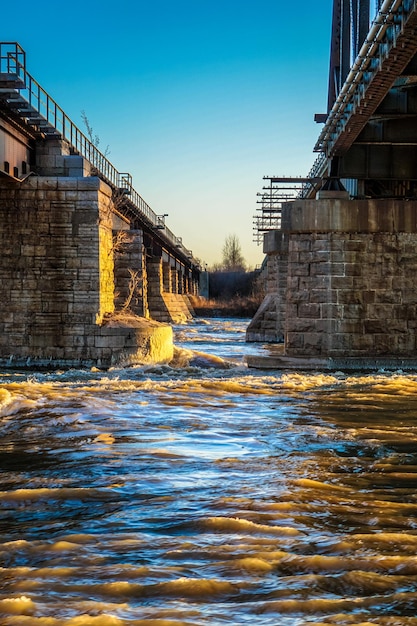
(161, 497)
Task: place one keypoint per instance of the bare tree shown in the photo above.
(233, 260)
(95, 139)
(134, 283)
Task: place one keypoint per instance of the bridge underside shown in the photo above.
(382, 161)
(341, 268)
(370, 130)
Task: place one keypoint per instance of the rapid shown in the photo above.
(208, 493)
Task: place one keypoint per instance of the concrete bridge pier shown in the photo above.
(344, 283)
(167, 277)
(174, 280)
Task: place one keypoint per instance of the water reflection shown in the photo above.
(208, 494)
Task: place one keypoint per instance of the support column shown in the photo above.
(167, 277)
(187, 283)
(155, 279)
(268, 323)
(180, 281)
(174, 278)
(130, 272)
(195, 287)
(351, 274)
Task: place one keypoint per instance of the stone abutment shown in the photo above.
(342, 284)
(75, 272)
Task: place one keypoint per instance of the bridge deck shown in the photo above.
(388, 49)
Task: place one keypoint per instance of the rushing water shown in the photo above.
(207, 493)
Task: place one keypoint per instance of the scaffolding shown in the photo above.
(280, 190)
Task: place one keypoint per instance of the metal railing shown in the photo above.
(281, 189)
(12, 58)
(54, 121)
(388, 24)
(317, 171)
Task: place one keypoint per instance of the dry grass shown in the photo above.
(237, 306)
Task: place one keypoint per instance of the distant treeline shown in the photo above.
(227, 285)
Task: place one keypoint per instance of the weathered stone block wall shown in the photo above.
(347, 282)
(155, 277)
(167, 276)
(178, 308)
(352, 294)
(272, 273)
(106, 247)
(268, 323)
(55, 267)
(174, 281)
(171, 307)
(158, 310)
(130, 272)
(58, 275)
(350, 288)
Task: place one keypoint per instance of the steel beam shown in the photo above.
(394, 162)
(350, 25)
(387, 51)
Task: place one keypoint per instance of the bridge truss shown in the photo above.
(389, 47)
(369, 137)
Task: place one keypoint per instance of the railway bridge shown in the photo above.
(341, 242)
(81, 250)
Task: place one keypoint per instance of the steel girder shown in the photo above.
(389, 47)
(350, 25)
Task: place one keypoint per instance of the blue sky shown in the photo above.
(198, 100)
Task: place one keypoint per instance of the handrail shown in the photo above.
(363, 70)
(56, 122)
(317, 171)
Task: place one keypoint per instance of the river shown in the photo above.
(208, 493)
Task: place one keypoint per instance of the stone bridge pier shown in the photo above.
(169, 285)
(341, 287)
(74, 268)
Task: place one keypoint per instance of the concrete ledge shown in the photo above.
(349, 216)
(120, 342)
(137, 341)
(275, 241)
(365, 364)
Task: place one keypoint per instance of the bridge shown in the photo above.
(80, 246)
(341, 242)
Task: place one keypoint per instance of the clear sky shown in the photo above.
(197, 99)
